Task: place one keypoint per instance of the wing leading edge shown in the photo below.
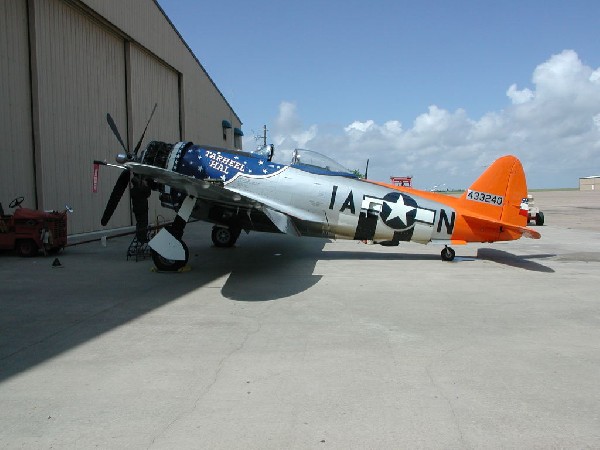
(215, 191)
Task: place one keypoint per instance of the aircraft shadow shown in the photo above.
(46, 311)
(371, 256)
(270, 269)
(520, 262)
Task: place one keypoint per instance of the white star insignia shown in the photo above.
(260, 163)
(399, 210)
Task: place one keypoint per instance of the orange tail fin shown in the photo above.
(499, 192)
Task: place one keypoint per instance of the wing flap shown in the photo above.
(282, 221)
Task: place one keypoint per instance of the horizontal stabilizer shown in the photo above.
(473, 220)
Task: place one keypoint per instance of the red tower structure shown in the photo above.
(401, 181)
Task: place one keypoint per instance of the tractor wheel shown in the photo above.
(26, 248)
(539, 219)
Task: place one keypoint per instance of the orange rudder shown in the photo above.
(499, 192)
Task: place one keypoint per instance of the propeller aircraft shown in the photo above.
(311, 196)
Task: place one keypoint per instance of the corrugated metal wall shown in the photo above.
(204, 105)
(65, 64)
(80, 72)
(155, 83)
(16, 134)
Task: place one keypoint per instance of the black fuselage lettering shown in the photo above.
(333, 194)
(349, 203)
(448, 222)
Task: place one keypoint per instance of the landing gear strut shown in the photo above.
(448, 254)
(169, 252)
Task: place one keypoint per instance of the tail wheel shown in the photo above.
(448, 254)
(26, 247)
(225, 237)
(169, 265)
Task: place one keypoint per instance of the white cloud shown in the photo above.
(357, 128)
(552, 126)
(519, 97)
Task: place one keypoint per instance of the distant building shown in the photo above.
(590, 183)
(65, 64)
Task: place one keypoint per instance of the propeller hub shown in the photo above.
(122, 158)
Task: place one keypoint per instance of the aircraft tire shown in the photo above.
(224, 237)
(168, 265)
(448, 254)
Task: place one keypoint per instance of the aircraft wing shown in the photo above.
(523, 231)
(214, 191)
(209, 189)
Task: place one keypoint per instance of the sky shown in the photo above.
(432, 89)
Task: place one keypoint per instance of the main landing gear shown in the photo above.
(448, 253)
(169, 252)
(225, 236)
(170, 265)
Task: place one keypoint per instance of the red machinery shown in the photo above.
(27, 231)
(401, 181)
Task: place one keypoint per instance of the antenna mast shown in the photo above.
(258, 137)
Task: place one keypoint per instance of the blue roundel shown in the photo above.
(398, 211)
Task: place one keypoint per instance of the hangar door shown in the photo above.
(153, 82)
(84, 70)
(79, 71)
(16, 146)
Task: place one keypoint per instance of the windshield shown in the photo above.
(316, 162)
(264, 151)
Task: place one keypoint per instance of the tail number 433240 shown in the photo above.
(484, 197)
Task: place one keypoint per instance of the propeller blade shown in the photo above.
(137, 147)
(113, 127)
(115, 197)
(140, 191)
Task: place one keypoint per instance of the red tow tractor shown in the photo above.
(28, 231)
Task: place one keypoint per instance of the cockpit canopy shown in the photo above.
(265, 151)
(315, 162)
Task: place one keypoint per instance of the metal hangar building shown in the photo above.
(65, 64)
